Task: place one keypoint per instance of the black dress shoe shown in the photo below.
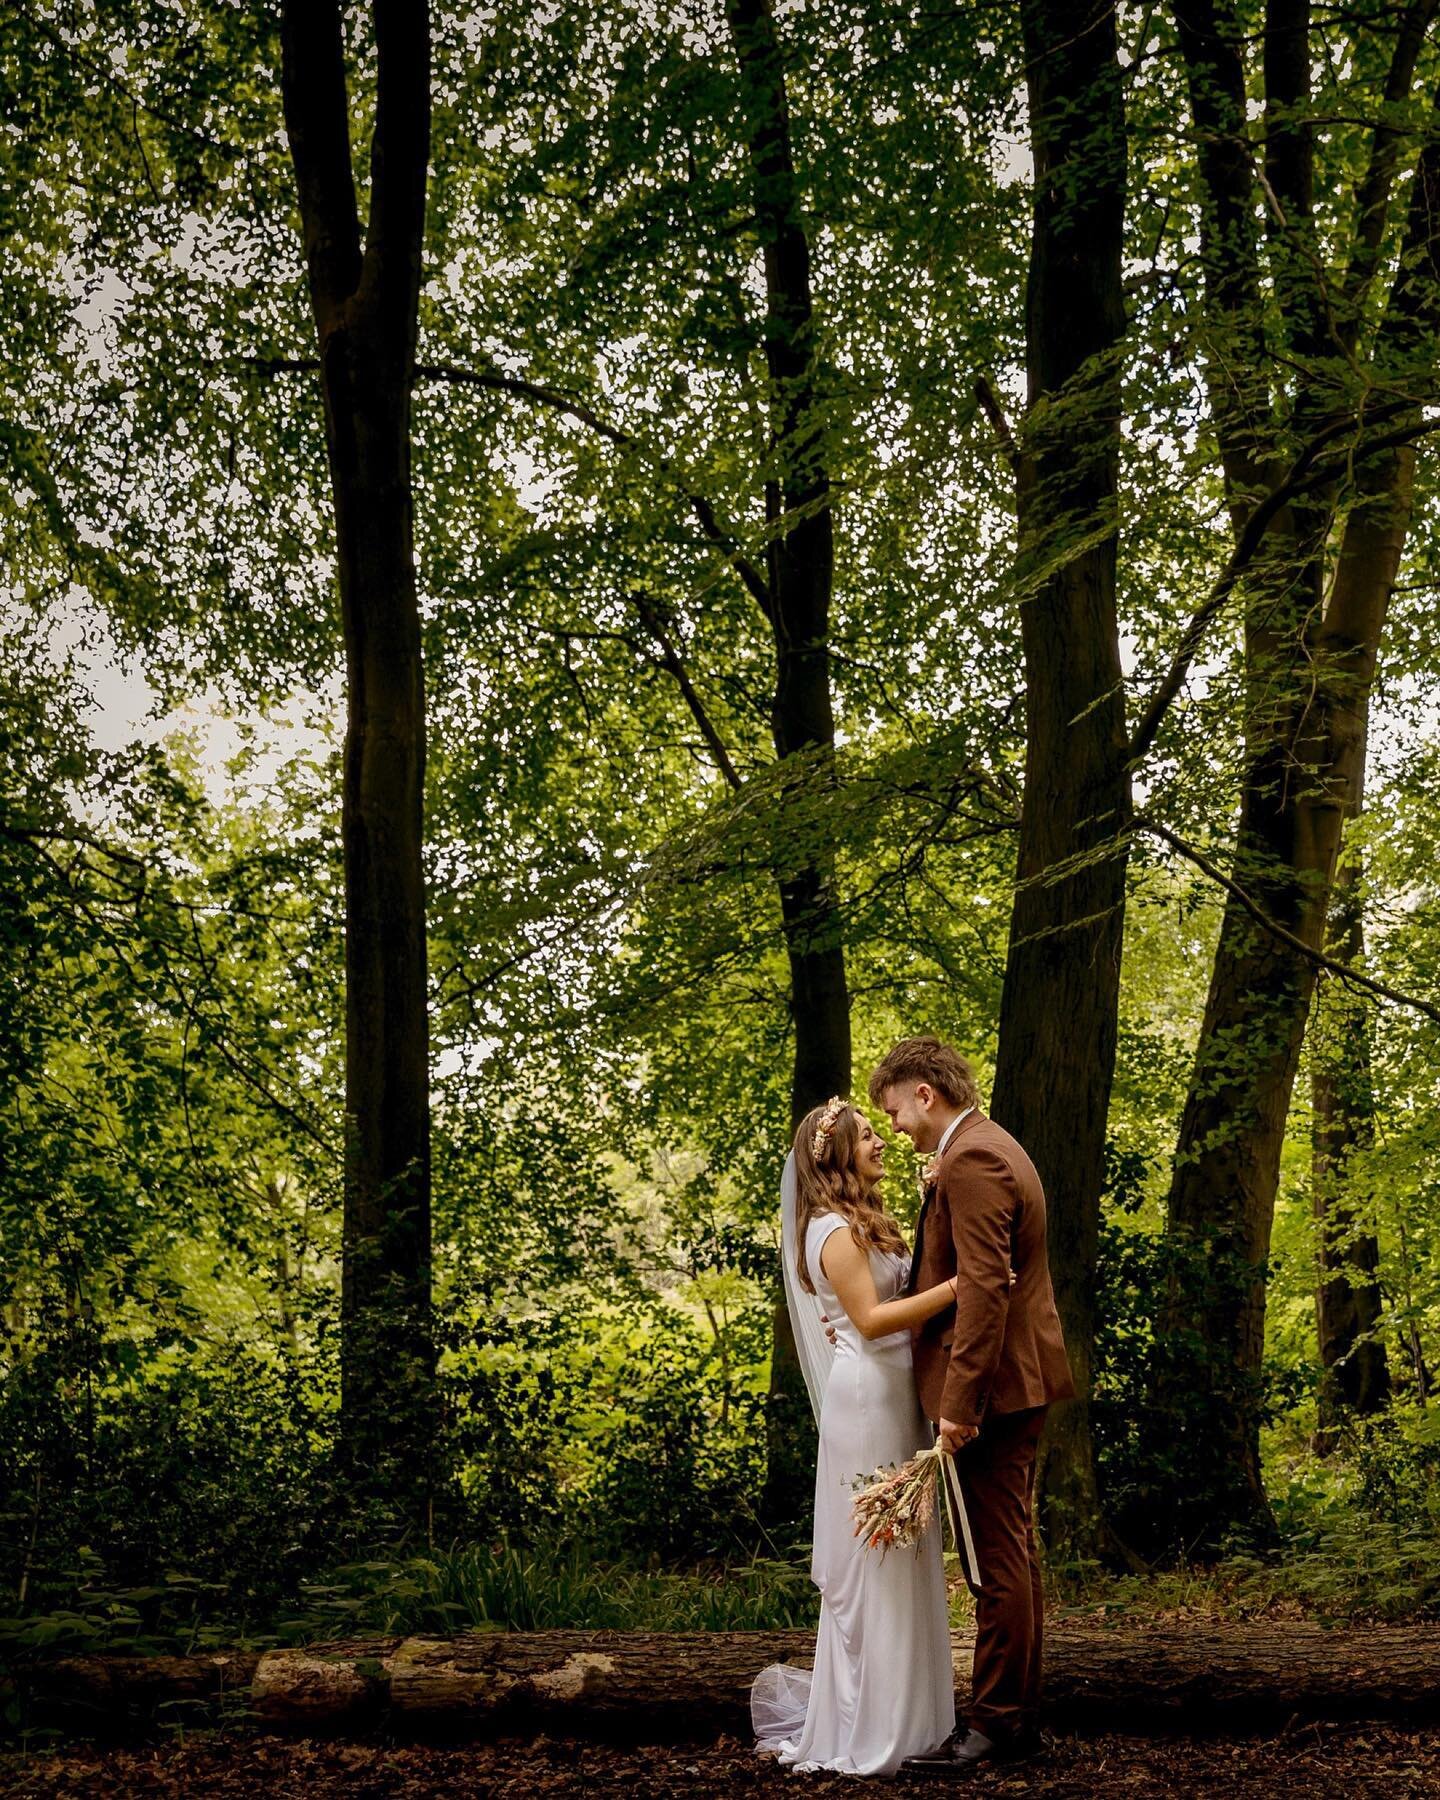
(975, 1751)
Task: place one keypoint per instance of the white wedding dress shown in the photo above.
(883, 1687)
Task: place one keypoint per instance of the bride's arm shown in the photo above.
(847, 1268)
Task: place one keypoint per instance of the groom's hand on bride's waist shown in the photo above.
(955, 1437)
(829, 1328)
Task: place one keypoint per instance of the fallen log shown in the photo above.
(661, 1687)
(117, 1687)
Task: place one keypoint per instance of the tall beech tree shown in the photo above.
(732, 414)
(1059, 1008)
(1315, 395)
(1058, 1011)
(800, 566)
(364, 290)
(789, 580)
(774, 532)
(800, 557)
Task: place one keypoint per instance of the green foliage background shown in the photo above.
(611, 1039)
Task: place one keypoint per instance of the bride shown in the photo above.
(882, 1687)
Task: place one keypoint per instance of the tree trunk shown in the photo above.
(365, 308)
(1310, 661)
(1227, 1161)
(666, 1687)
(1355, 1376)
(1058, 1014)
(801, 565)
(801, 568)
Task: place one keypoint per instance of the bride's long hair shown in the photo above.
(828, 1180)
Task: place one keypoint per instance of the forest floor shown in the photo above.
(1321, 1760)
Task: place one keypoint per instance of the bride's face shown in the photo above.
(869, 1150)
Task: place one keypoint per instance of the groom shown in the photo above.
(985, 1374)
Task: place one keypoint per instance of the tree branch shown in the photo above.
(1215, 76)
(55, 834)
(1288, 172)
(1343, 971)
(210, 1031)
(780, 226)
(495, 381)
(1372, 197)
(1306, 472)
(317, 123)
(399, 161)
(653, 620)
(1412, 308)
(990, 405)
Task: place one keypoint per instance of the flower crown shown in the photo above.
(828, 1121)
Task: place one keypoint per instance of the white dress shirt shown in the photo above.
(950, 1130)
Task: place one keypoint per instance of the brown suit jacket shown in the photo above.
(1000, 1348)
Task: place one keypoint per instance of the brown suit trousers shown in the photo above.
(995, 1474)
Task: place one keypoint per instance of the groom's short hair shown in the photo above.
(926, 1059)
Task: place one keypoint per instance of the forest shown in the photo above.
(570, 575)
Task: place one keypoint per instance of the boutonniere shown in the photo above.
(930, 1174)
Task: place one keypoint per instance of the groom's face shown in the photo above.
(910, 1107)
